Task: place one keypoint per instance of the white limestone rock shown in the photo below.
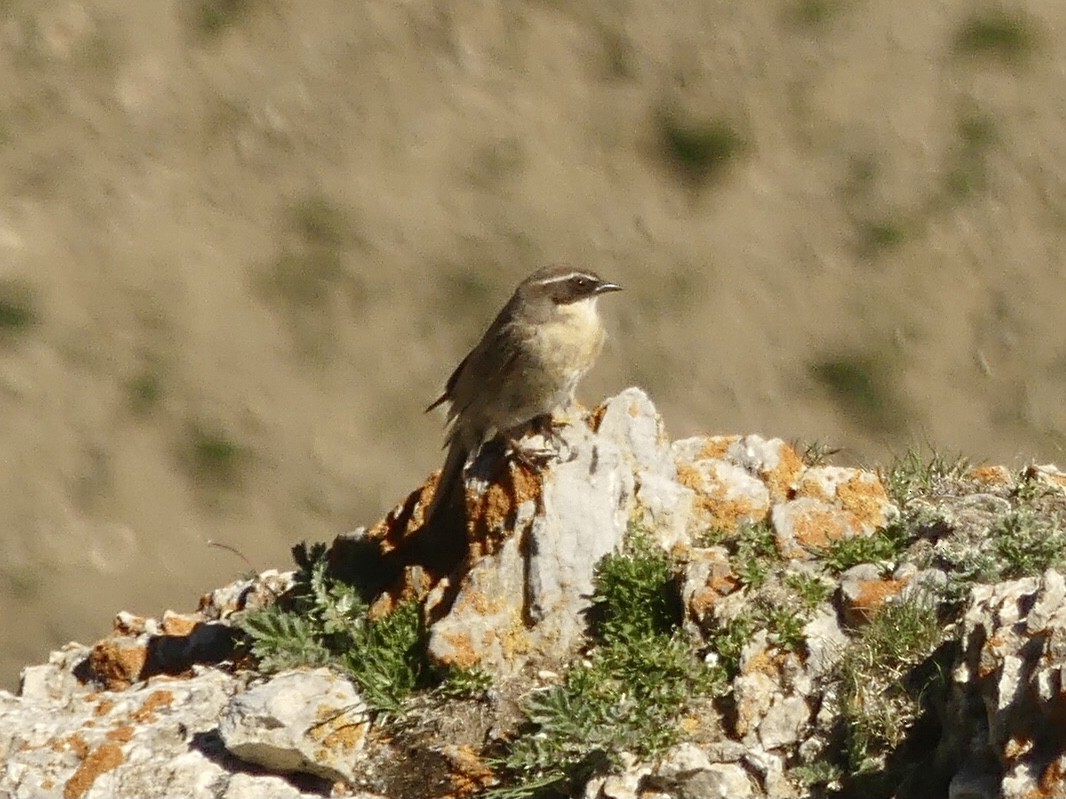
(299, 721)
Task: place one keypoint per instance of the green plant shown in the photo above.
(1026, 543)
(1029, 489)
(786, 625)
(915, 475)
(634, 597)
(754, 553)
(728, 641)
(214, 458)
(464, 683)
(863, 387)
(629, 693)
(810, 590)
(145, 391)
(783, 618)
(1002, 35)
(281, 639)
(878, 704)
(698, 151)
(819, 772)
(815, 453)
(17, 308)
(211, 17)
(324, 621)
(880, 235)
(842, 554)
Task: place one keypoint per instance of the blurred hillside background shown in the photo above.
(244, 242)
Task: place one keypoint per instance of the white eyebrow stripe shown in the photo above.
(544, 281)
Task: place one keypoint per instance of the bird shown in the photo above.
(526, 365)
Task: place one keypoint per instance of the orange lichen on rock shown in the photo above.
(781, 479)
(75, 743)
(103, 706)
(713, 503)
(720, 582)
(991, 475)
(155, 701)
(178, 624)
(462, 654)
(514, 640)
(864, 496)
(716, 447)
(469, 774)
(118, 662)
(491, 514)
(122, 734)
(405, 518)
(872, 596)
(338, 732)
(104, 758)
(818, 527)
(764, 663)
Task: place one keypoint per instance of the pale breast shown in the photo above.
(571, 341)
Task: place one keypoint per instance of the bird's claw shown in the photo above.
(538, 457)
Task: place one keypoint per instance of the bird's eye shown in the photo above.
(582, 282)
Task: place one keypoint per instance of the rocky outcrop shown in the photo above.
(834, 640)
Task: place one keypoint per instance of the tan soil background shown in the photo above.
(243, 243)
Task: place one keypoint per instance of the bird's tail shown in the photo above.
(450, 495)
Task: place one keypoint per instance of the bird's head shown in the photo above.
(564, 285)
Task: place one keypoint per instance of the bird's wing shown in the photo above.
(490, 366)
(485, 366)
(449, 387)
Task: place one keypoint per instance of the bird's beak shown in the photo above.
(605, 287)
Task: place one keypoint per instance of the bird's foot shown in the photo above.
(555, 447)
(533, 458)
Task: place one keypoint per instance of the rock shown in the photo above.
(254, 592)
(726, 495)
(172, 647)
(772, 461)
(771, 767)
(803, 527)
(708, 577)
(244, 786)
(717, 781)
(298, 721)
(161, 707)
(156, 738)
(55, 680)
(997, 476)
(665, 507)
(783, 723)
(527, 595)
(825, 641)
(857, 492)
(630, 421)
(689, 774)
(1012, 658)
(831, 503)
(683, 758)
(753, 693)
(1048, 474)
(864, 591)
(626, 784)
